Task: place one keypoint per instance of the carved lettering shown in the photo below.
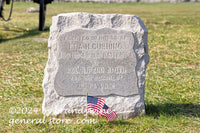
(100, 62)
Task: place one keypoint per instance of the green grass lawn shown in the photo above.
(172, 91)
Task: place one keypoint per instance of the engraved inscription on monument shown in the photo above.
(101, 62)
(105, 55)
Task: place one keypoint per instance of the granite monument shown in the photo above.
(104, 55)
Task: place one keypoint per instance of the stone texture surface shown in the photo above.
(55, 101)
(101, 62)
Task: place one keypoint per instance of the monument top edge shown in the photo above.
(97, 14)
(65, 22)
(97, 29)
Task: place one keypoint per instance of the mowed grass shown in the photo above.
(172, 91)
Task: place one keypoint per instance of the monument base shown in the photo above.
(124, 107)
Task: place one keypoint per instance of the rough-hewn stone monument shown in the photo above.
(103, 54)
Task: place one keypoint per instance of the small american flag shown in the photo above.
(99, 106)
(108, 113)
(94, 103)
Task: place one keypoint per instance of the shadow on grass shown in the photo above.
(173, 109)
(29, 33)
